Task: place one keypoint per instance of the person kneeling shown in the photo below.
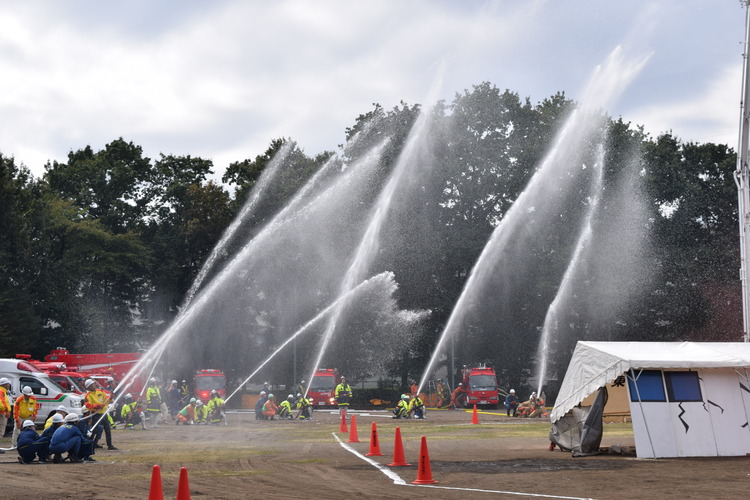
(68, 438)
(416, 407)
(402, 408)
(186, 415)
(285, 408)
(29, 446)
(270, 409)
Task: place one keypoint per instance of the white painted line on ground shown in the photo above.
(382, 468)
(397, 479)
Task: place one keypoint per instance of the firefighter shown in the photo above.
(46, 437)
(285, 408)
(269, 408)
(4, 405)
(187, 414)
(132, 413)
(175, 399)
(216, 408)
(304, 407)
(416, 407)
(28, 448)
(511, 403)
(68, 438)
(83, 424)
(97, 401)
(457, 394)
(259, 406)
(184, 392)
(301, 386)
(442, 394)
(61, 410)
(343, 395)
(201, 412)
(402, 408)
(24, 408)
(413, 388)
(153, 403)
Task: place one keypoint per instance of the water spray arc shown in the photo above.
(369, 244)
(321, 315)
(550, 320)
(607, 82)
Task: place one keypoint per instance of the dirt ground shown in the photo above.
(499, 458)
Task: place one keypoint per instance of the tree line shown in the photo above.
(98, 253)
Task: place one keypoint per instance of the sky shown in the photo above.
(221, 79)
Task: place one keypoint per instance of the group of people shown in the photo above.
(196, 412)
(266, 408)
(532, 407)
(410, 406)
(64, 432)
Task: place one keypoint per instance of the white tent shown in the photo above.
(686, 399)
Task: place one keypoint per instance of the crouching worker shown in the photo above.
(29, 446)
(285, 408)
(304, 407)
(132, 413)
(416, 407)
(201, 412)
(68, 438)
(402, 408)
(216, 408)
(269, 408)
(186, 415)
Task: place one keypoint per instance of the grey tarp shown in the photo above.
(580, 430)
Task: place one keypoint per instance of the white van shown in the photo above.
(48, 394)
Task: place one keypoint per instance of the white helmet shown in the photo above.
(302, 381)
(299, 394)
(57, 418)
(198, 402)
(512, 391)
(153, 380)
(62, 408)
(27, 390)
(71, 417)
(262, 393)
(27, 423)
(290, 397)
(89, 382)
(4, 381)
(174, 381)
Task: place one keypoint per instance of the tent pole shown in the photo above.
(640, 405)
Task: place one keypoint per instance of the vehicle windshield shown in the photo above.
(482, 383)
(209, 382)
(66, 383)
(322, 384)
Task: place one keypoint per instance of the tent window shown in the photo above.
(683, 386)
(647, 384)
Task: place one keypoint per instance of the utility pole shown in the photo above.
(742, 178)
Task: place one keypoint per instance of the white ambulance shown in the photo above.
(48, 394)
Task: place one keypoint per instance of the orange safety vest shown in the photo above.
(25, 408)
(4, 402)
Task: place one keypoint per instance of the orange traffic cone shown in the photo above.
(475, 417)
(343, 428)
(353, 437)
(155, 492)
(183, 489)
(424, 471)
(398, 451)
(374, 443)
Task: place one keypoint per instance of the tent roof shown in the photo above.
(595, 364)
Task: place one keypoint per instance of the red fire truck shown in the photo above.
(99, 366)
(323, 387)
(208, 380)
(59, 373)
(480, 384)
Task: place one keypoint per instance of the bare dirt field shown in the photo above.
(499, 458)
